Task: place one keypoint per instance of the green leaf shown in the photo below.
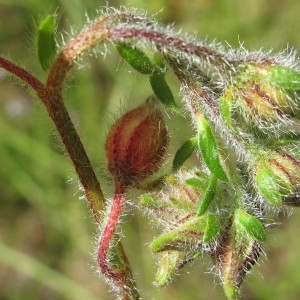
(46, 46)
(267, 185)
(212, 228)
(136, 58)
(250, 224)
(208, 195)
(284, 77)
(163, 92)
(209, 149)
(184, 152)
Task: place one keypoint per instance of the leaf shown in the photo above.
(208, 195)
(250, 224)
(212, 228)
(209, 149)
(183, 153)
(136, 58)
(163, 92)
(46, 46)
(267, 185)
(284, 77)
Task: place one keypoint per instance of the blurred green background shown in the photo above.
(46, 232)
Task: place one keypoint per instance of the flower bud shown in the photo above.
(234, 256)
(178, 199)
(136, 144)
(278, 179)
(258, 97)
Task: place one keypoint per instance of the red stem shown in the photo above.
(107, 236)
(172, 42)
(22, 74)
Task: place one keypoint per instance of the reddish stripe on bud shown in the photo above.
(136, 143)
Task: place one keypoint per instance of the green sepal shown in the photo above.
(209, 149)
(190, 232)
(159, 61)
(212, 228)
(136, 58)
(163, 92)
(183, 153)
(250, 224)
(117, 259)
(267, 185)
(231, 291)
(196, 183)
(168, 263)
(283, 77)
(225, 107)
(208, 195)
(149, 200)
(46, 45)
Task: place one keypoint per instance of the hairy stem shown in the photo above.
(108, 234)
(127, 29)
(116, 270)
(76, 151)
(22, 74)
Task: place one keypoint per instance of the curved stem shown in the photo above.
(22, 74)
(109, 232)
(116, 270)
(52, 99)
(64, 125)
(129, 26)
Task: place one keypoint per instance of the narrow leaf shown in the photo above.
(136, 58)
(46, 46)
(250, 224)
(184, 152)
(209, 149)
(284, 77)
(212, 228)
(163, 92)
(268, 186)
(208, 195)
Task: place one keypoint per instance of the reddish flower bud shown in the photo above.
(278, 178)
(136, 144)
(259, 98)
(234, 257)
